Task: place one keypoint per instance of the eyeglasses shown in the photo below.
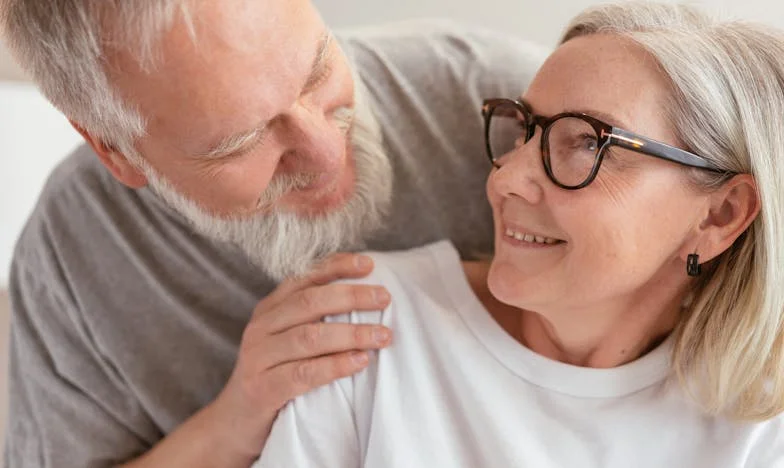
(573, 145)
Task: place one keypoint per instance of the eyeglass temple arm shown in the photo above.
(635, 142)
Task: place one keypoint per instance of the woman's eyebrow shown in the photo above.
(603, 116)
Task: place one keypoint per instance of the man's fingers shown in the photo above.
(293, 379)
(287, 349)
(333, 268)
(318, 339)
(340, 266)
(312, 304)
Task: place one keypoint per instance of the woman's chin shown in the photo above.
(507, 284)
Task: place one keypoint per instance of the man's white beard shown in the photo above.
(283, 243)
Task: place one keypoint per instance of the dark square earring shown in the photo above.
(693, 267)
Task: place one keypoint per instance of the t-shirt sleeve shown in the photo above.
(321, 429)
(768, 448)
(316, 430)
(493, 64)
(67, 406)
(442, 62)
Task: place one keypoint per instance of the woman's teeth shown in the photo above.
(521, 236)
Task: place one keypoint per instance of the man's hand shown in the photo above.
(286, 349)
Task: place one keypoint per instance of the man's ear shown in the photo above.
(115, 162)
(732, 209)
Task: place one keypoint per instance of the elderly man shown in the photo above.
(231, 144)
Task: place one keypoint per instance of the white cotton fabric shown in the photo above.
(455, 390)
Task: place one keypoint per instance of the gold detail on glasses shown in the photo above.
(631, 141)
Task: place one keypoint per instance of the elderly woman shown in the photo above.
(631, 315)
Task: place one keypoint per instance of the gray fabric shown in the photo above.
(125, 322)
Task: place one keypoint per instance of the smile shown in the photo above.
(530, 238)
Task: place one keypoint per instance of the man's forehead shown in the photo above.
(231, 48)
(245, 27)
(238, 75)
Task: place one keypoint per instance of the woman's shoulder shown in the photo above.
(767, 449)
(411, 276)
(418, 262)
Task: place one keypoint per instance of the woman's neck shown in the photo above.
(601, 336)
(582, 342)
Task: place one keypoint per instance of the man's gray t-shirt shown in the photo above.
(125, 322)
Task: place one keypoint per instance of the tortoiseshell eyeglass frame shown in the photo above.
(606, 136)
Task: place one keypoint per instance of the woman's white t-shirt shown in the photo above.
(455, 390)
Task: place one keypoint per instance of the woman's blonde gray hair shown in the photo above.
(64, 44)
(727, 104)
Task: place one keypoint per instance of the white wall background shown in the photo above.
(539, 20)
(33, 137)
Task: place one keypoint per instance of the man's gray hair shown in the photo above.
(65, 45)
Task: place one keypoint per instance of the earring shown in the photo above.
(693, 267)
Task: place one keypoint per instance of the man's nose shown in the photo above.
(313, 140)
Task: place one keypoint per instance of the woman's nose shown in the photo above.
(520, 173)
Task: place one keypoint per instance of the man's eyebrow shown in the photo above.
(241, 141)
(233, 144)
(320, 62)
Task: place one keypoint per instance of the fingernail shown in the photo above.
(362, 262)
(360, 359)
(382, 295)
(381, 335)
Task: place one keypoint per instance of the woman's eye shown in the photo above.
(589, 142)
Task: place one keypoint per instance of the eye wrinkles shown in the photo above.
(242, 143)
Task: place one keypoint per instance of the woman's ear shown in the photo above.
(732, 209)
(115, 162)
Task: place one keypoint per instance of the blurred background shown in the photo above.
(538, 20)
